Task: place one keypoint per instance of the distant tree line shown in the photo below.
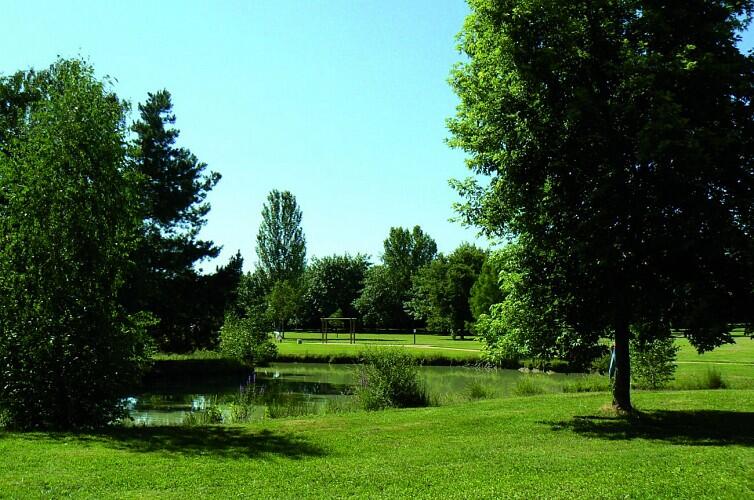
(412, 287)
(100, 254)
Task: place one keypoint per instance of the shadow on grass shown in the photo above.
(222, 442)
(696, 428)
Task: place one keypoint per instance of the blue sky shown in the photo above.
(342, 102)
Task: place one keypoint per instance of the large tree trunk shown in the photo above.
(622, 387)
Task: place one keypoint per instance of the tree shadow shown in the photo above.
(696, 428)
(216, 441)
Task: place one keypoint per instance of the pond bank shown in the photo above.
(687, 444)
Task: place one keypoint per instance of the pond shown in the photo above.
(316, 385)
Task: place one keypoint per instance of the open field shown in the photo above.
(735, 362)
(429, 349)
(686, 444)
(422, 339)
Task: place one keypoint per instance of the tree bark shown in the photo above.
(622, 386)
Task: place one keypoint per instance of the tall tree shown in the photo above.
(67, 349)
(281, 246)
(406, 251)
(174, 187)
(619, 143)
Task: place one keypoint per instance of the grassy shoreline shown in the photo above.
(684, 444)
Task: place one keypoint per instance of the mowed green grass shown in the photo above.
(427, 348)
(685, 444)
(422, 339)
(735, 362)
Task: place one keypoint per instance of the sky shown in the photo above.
(341, 102)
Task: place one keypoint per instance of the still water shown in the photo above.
(313, 383)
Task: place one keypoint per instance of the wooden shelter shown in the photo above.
(351, 328)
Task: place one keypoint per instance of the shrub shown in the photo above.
(475, 390)
(390, 378)
(501, 347)
(712, 379)
(247, 339)
(589, 383)
(653, 363)
(210, 414)
(601, 365)
(528, 386)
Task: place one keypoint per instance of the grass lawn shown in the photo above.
(430, 349)
(686, 444)
(422, 339)
(735, 362)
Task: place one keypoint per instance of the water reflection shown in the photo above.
(313, 384)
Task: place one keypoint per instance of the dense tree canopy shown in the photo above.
(379, 303)
(386, 287)
(441, 290)
(406, 251)
(332, 283)
(618, 139)
(67, 224)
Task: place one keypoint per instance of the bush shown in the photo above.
(247, 339)
(713, 379)
(601, 365)
(653, 363)
(390, 378)
(501, 347)
(588, 383)
(210, 414)
(475, 390)
(528, 386)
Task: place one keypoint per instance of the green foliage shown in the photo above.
(283, 304)
(653, 363)
(387, 287)
(477, 390)
(173, 187)
(380, 304)
(281, 246)
(406, 252)
(617, 144)
(67, 349)
(509, 332)
(529, 385)
(710, 379)
(588, 383)
(390, 378)
(252, 294)
(247, 339)
(208, 415)
(440, 290)
(333, 283)
(486, 291)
